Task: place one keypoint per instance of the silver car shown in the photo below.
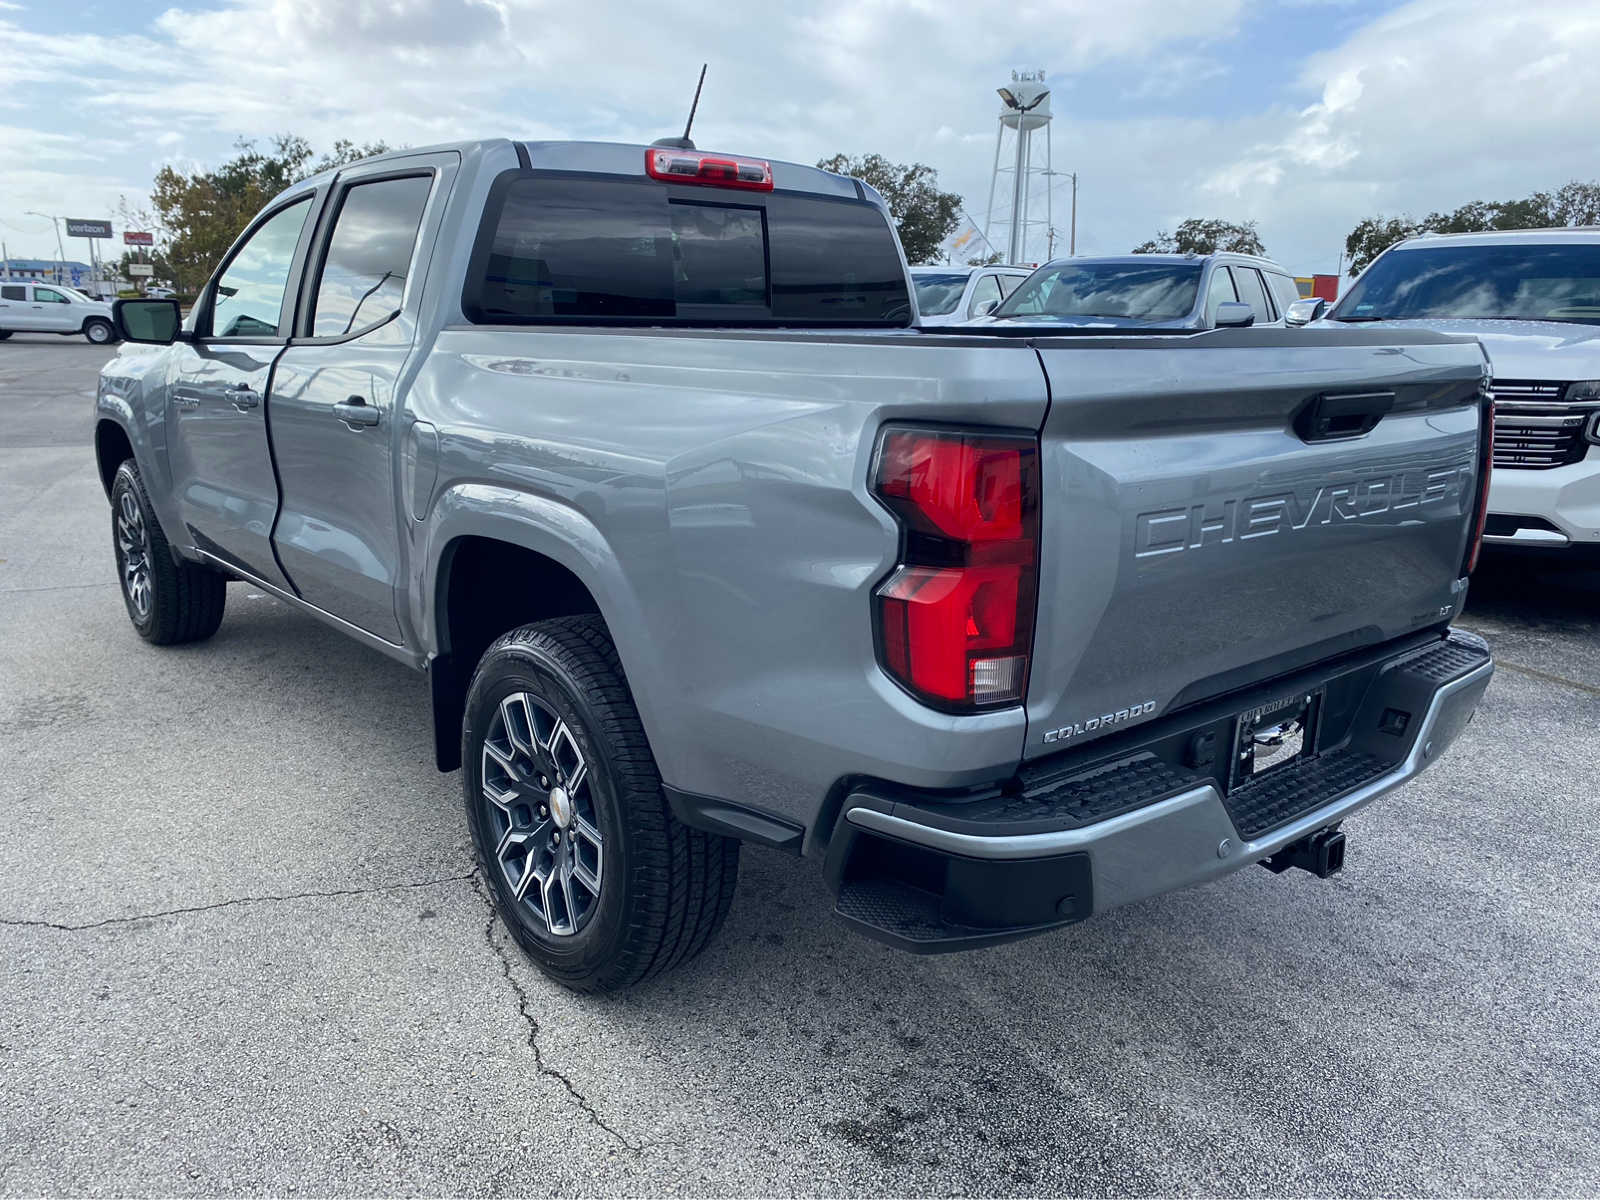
(952, 295)
(1153, 291)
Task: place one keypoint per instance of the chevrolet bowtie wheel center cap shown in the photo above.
(561, 807)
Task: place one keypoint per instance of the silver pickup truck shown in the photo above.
(641, 455)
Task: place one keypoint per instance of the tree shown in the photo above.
(1573, 204)
(1199, 235)
(923, 215)
(197, 215)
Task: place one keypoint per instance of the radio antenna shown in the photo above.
(693, 106)
(684, 143)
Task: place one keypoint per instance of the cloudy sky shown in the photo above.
(1305, 115)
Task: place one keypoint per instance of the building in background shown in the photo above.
(1325, 287)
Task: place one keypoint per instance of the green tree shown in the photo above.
(1573, 204)
(923, 215)
(1199, 235)
(197, 215)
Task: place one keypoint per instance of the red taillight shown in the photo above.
(1485, 470)
(955, 619)
(713, 170)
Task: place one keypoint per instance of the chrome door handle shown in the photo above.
(356, 411)
(242, 396)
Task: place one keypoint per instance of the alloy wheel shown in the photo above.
(539, 801)
(133, 551)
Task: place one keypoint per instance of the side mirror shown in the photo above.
(987, 307)
(1233, 315)
(153, 322)
(1303, 312)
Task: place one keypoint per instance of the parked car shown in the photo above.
(157, 292)
(1153, 291)
(32, 307)
(638, 454)
(950, 295)
(1532, 297)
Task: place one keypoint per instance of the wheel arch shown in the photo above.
(497, 559)
(112, 448)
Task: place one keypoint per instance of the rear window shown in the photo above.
(560, 248)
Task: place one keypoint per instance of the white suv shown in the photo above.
(952, 295)
(29, 307)
(1532, 297)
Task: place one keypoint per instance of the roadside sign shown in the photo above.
(130, 238)
(141, 269)
(77, 276)
(88, 229)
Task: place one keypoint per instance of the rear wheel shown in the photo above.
(168, 601)
(99, 331)
(599, 883)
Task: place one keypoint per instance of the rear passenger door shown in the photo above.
(336, 423)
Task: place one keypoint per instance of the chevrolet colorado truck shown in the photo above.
(641, 455)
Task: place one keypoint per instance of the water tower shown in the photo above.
(1025, 111)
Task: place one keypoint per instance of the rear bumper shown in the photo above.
(931, 876)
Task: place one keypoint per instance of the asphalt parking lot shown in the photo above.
(244, 949)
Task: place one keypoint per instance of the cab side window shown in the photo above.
(1253, 293)
(988, 288)
(1220, 292)
(48, 296)
(363, 278)
(13, 292)
(249, 294)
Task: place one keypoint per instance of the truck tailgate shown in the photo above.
(1201, 533)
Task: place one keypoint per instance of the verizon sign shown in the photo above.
(88, 229)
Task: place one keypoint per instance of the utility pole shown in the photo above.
(1072, 246)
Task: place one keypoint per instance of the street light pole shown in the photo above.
(61, 251)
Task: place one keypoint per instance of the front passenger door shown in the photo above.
(226, 490)
(52, 311)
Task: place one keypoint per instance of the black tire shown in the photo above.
(182, 601)
(99, 331)
(665, 889)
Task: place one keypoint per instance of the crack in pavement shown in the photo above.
(1532, 673)
(197, 908)
(532, 1022)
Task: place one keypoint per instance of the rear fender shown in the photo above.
(562, 534)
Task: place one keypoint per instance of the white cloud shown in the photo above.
(1430, 105)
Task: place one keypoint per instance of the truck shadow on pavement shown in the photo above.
(1255, 1034)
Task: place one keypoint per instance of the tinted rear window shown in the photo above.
(563, 248)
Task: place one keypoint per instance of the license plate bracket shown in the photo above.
(1275, 736)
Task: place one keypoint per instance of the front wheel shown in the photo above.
(599, 883)
(168, 601)
(99, 331)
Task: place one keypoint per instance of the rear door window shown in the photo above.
(571, 248)
(13, 292)
(1251, 292)
(363, 276)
